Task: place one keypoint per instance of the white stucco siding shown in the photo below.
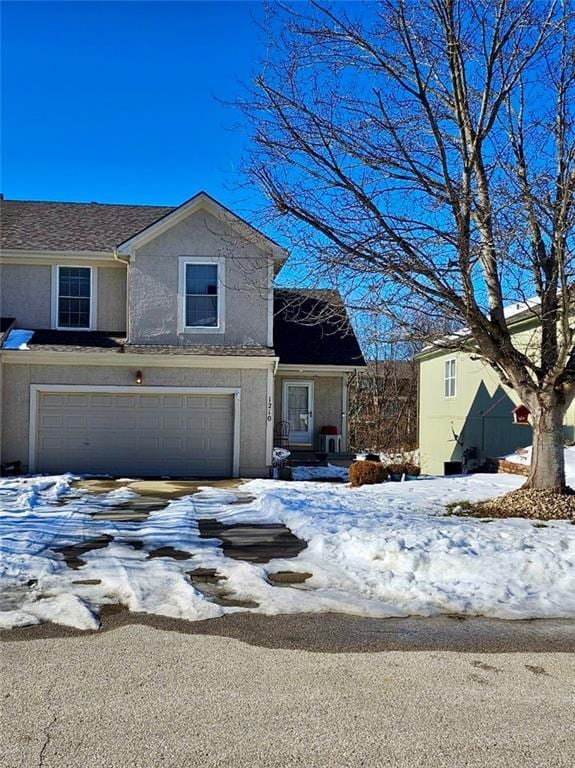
(27, 292)
(111, 300)
(154, 284)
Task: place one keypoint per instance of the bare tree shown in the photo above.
(383, 406)
(383, 396)
(422, 156)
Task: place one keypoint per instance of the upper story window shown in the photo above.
(450, 378)
(73, 298)
(201, 289)
(202, 295)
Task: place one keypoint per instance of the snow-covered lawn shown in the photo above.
(376, 551)
(523, 456)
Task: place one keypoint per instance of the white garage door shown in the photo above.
(189, 435)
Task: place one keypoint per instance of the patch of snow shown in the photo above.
(331, 472)
(405, 457)
(385, 550)
(509, 311)
(523, 456)
(520, 306)
(18, 339)
(63, 608)
(386, 457)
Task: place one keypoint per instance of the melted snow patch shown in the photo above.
(384, 550)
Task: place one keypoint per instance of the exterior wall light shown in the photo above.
(139, 377)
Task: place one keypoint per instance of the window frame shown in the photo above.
(217, 261)
(452, 378)
(56, 297)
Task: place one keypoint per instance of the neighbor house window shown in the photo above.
(74, 303)
(202, 296)
(450, 378)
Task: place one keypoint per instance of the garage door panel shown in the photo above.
(102, 401)
(53, 420)
(173, 421)
(143, 434)
(53, 401)
(123, 404)
(173, 402)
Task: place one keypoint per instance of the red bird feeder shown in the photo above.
(521, 415)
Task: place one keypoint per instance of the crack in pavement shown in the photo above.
(47, 736)
(47, 731)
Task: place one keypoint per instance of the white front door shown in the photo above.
(298, 411)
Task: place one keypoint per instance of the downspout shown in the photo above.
(126, 261)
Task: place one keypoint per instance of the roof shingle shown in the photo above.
(46, 226)
(46, 340)
(313, 328)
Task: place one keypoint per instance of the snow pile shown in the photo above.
(523, 456)
(331, 472)
(384, 550)
(403, 457)
(389, 546)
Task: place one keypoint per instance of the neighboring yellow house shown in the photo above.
(465, 413)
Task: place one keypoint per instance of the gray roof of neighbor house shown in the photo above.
(45, 226)
(313, 328)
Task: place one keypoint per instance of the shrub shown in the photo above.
(367, 473)
(405, 468)
(396, 469)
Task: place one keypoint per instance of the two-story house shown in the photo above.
(146, 340)
(466, 415)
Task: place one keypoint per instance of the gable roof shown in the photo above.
(35, 225)
(201, 201)
(308, 331)
(519, 316)
(45, 226)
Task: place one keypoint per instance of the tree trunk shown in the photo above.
(548, 457)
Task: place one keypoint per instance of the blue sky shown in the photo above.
(116, 101)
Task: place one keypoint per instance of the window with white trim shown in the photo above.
(74, 297)
(202, 300)
(450, 378)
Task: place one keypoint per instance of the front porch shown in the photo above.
(308, 458)
(309, 403)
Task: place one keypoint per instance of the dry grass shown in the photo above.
(525, 502)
